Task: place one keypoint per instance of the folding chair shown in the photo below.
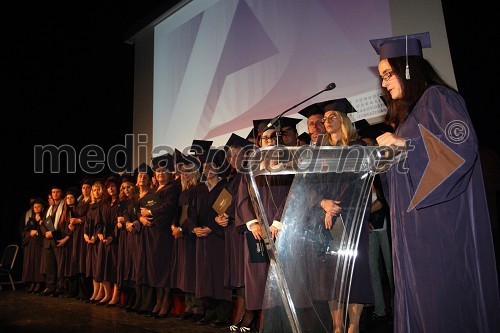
(8, 259)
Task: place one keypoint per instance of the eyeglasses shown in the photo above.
(387, 76)
(286, 133)
(267, 138)
(329, 118)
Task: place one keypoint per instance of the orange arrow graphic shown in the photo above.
(442, 163)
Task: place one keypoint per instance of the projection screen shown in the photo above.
(207, 68)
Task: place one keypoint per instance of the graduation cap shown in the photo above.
(260, 125)
(56, 186)
(200, 147)
(340, 105)
(164, 161)
(98, 180)
(252, 135)
(114, 178)
(86, 180)
(128, 178)
(360, 125)
(40, 201)
(216, 156)
(73, 191)
(289, 122)
(143, 168)
(310, 110)
(237, 141)
(304, 137)
(401, 46)
(179, 157)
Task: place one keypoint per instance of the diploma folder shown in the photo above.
(150, 201)
(223, 202)
(256, 249)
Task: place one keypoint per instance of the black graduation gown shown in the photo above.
(79, 253)
(184, 252)
(234, 274)
(210, 249)
(158, 237)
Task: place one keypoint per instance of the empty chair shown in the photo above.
(8, 259)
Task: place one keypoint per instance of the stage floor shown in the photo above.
(24, 312)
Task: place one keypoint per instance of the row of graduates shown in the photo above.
(144, 235)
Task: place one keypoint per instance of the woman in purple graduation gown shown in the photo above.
(444, 261)
(336, 196)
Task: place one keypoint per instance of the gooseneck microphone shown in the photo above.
(331, 86)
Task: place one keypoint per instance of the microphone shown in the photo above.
(331, 86)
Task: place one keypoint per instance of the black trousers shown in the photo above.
(52, 281)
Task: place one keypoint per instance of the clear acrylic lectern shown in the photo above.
(311, 266)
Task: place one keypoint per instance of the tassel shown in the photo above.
(407, 71)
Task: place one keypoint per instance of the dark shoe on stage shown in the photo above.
(219, 323)
(143, 312)
(185, 316)
(47, 292)
(58, 293)
(207, 320)
(161, 315)
(377, 318)
(102, 303)
(196, 317)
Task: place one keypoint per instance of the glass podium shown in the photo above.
(312, 260)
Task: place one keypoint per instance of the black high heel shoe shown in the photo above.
(161, 315)
(150, 314)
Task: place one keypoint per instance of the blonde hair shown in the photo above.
(187, 183)
(348, 133)
(98, 184)
(133, 190)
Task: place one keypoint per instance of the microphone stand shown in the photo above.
(277, 119)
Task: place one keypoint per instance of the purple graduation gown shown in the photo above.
(234, 275)
(90, 229)
(444, 263)
(158, 237)
(183, 275)
(32, 253)
(273, 191)
(79, 253)
(209, 249)
(127, 245)
(107, 253)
